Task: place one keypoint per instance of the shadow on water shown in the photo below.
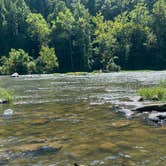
(67, 119)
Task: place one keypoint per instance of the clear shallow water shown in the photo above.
(66, 119)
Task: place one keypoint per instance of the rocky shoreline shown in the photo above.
(154, 114)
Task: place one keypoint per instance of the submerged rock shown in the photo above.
(8, 112)
(41, 151)
(128, 113)
(15, 75)
(106, 146)
(120, 124)
(157, 117)
(29, 151)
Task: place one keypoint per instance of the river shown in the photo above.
(63, 119)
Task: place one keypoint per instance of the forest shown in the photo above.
(48, 36)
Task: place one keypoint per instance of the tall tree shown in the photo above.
(159, 25)
(12, 25)
(38, 31)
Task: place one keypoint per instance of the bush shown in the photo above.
(32, 67)
(5, 95)
(17, 62)
(47, 61)
(113, 67)
(151, 93)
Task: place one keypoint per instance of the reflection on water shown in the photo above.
(66, 119)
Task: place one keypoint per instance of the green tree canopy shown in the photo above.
(47, 61)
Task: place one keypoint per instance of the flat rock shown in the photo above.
(150, 108)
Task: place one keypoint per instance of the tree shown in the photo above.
(13, 14)
(61, 39)
(47, 61)
(105, 44)
(159, 26)
(38, 31)
(17, 62)
(81, 38)
(86, 34)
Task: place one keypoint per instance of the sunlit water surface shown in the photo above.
(63, 119)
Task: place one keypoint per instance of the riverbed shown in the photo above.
(62, 119)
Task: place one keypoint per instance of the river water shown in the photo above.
(63, 119)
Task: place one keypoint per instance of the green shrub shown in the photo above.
(5, 95)
(17, 62)
(32, 67)
(150, 93)
(113, 67)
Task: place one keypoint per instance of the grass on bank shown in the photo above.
(157, 92)
(6, 95)
(154, 93)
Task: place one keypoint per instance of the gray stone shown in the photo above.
(157, 116)
(15, 75)
(8, 112)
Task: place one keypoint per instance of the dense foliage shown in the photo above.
(81, 35)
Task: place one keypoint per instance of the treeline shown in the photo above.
(46, 36)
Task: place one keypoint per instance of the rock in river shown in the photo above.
(8, 112)
(15, 75)
(45, 150)
(3, 101)
(150, 108)
(156, 113)
(157, 116)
